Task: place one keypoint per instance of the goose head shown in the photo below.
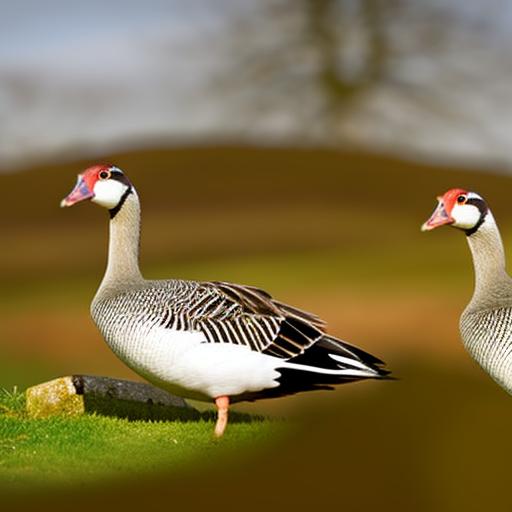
(460, 209)
(102, 184)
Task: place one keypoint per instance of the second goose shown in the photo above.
(486, 323)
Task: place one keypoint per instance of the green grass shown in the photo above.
(12, 403)
(91, 448)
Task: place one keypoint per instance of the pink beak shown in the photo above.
(81, 192)
(440, 217)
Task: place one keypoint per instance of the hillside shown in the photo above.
(336, 233)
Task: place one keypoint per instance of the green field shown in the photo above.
(67, 451)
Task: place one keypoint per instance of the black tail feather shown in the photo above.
(331, 344)
(296, 380)
(319, 355)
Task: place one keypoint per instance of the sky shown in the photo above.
(87, 77)
(95, 73)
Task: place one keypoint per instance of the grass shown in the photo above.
(92, 448)
(12, 403)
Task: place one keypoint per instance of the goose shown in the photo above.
(209, 341)
(486, 323)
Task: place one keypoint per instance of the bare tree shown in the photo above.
(315, 58)
(319, 67)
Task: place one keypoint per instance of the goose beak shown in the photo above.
(440, 217)
(81, 192)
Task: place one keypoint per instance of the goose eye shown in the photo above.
(461, 199)
(104, 175)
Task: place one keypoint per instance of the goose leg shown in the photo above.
(222, 403)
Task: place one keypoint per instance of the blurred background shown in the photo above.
(294, 145)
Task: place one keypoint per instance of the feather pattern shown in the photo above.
(223, 312)
(487, 336)
(292, 341)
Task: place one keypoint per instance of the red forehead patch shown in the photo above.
(90, 175)
(450, 198)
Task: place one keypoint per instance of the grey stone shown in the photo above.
(79, 394)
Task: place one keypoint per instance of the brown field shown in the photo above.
(334, 232)
(330, 231)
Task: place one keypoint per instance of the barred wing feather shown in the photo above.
(245, 315)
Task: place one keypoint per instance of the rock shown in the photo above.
(58, 396)
(80, 394)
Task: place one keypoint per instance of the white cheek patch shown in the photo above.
(466, 216)
(108, 193)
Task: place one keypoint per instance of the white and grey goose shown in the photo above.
(206, 340)
(486, 323)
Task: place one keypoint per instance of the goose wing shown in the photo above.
(245, 315)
